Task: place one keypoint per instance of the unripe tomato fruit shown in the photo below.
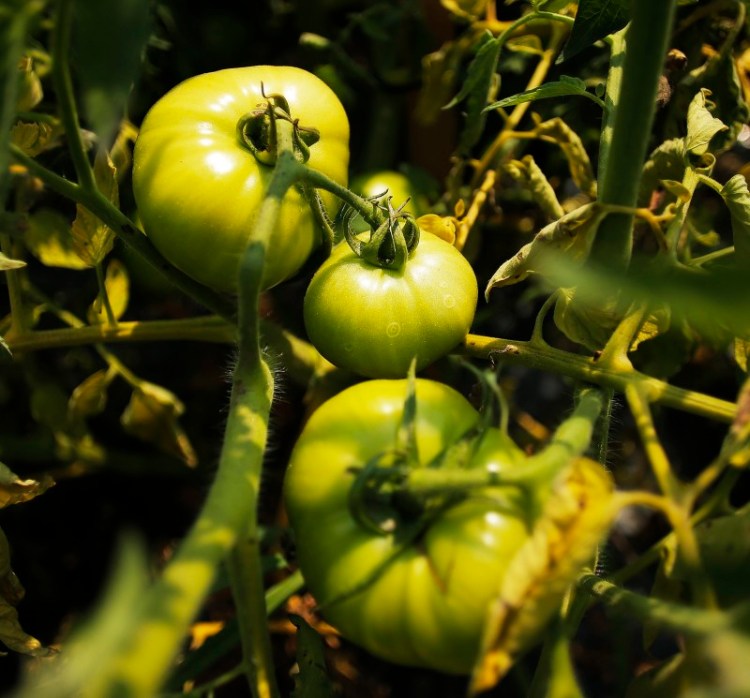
(373, 321)
(398, 186)
(199, 188)
(427, 605)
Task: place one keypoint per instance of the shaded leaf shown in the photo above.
(48, 237)
(531, 178)
(35, 137)
(312, 680)
(737, 198)
(564, 87)
(570, 236)
(10, 587)
(558, 132)
(440, 70)
(476, 90)
(702, 126)
(742, 352)
(152, 415)
(736, 447)
(595, 20)
(108, 41)
(575, 518)
(666, 162)
(587, 323)
(13, 636)
(92, 239)
(90, 397)
(30, 91)
(117, 288)
(14, 490)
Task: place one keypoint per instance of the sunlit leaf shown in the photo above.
(575, 518)
(442, 226)
(92, 239)
(14, 490)
(564, 87)
(595, 20)
(109, 39)
(312, 680)
(570, 237)
(48, 237)
(702, 126)
(117, 287)
(152, 415)
(8, 263)
(90, 397)
(465, 9)
(742, 352)
(481, 77)
(737, 198)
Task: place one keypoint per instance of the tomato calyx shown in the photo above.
(391, 242)
(256, 130)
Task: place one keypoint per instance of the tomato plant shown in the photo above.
(423, 602)
(198, 184)
(375, 320)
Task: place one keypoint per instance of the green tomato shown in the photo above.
(373, 321)
(398, 186)
(199, 188)
(427, 604)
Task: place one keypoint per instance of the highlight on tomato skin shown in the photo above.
(374, 321)
(198, 188)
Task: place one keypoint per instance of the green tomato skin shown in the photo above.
(198, 190)
(398, 185)
(428, 606)
(373, 321)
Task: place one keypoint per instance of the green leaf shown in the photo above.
(588, 324)
(569, 237)
(312, 680)
(595, 20)
(476, 90)
(737, 198)
(108, 41)
(564, 87)
(702, 126)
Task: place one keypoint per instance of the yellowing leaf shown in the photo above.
(466, 9)
(741, 353)
(575, 518)
(8, 263)
(14, 490)
(90, 397)
(34, 138)
(117, 288)
(558, 132)
(531, 178)
(48, 237)
(92, 239)
(443, 227)
(30, 91)
(152, 415)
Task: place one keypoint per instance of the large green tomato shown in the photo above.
(398, 186)
(427, 604)
(373, 321)
(199, 188)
